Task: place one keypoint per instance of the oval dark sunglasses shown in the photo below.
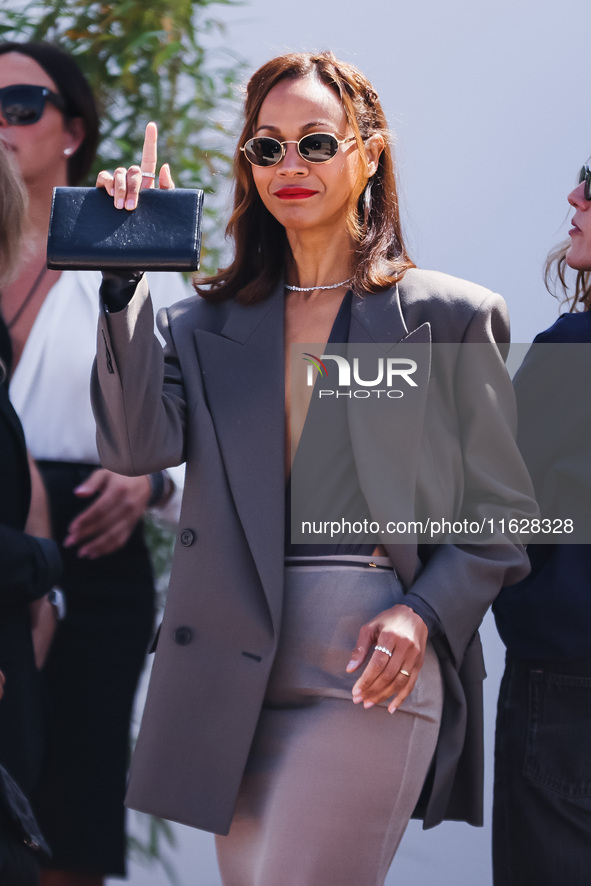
(318, 147)
(24, 104)
(585, 176)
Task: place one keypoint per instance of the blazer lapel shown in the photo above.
(243, 371)
(377, 318)
(386, 433)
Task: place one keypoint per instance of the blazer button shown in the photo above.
(183, 636)
(187, 537)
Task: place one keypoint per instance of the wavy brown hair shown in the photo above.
(260, 242)
(555, 276)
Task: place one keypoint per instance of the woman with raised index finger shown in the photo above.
(279, 664)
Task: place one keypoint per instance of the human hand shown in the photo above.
(107, 523)
(43, 625)
(405, 634)
(124, 184)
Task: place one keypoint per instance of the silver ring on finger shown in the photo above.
(148, 174)
(403, 672)
(383, 649)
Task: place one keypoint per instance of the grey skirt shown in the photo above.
(329, 787)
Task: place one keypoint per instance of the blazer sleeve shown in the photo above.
(137, 392)
(29, 567)
(460, 581)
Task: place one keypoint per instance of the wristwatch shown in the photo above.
(162, 486)
(58, 600)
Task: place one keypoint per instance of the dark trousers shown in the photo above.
(542, 789)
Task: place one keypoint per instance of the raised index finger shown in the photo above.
(149, 156)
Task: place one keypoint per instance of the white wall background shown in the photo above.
(489, 103)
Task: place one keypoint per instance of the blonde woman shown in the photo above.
(29, 564)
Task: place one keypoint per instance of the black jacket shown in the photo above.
(29, 567)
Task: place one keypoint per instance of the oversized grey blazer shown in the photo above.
(217, 402)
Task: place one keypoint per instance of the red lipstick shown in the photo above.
(294, 193)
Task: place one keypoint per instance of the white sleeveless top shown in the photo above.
(50, 388)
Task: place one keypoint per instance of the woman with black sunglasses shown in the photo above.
(542, 794)
(49, 124)
(283, 655)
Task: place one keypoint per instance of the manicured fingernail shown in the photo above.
(351, 665)
(391, 709)
(130, 204)
(119, 203)
(356, 691)
(367, 704)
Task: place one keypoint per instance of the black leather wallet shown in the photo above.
(87, 232)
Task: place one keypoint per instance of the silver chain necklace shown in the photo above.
(314, 288)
